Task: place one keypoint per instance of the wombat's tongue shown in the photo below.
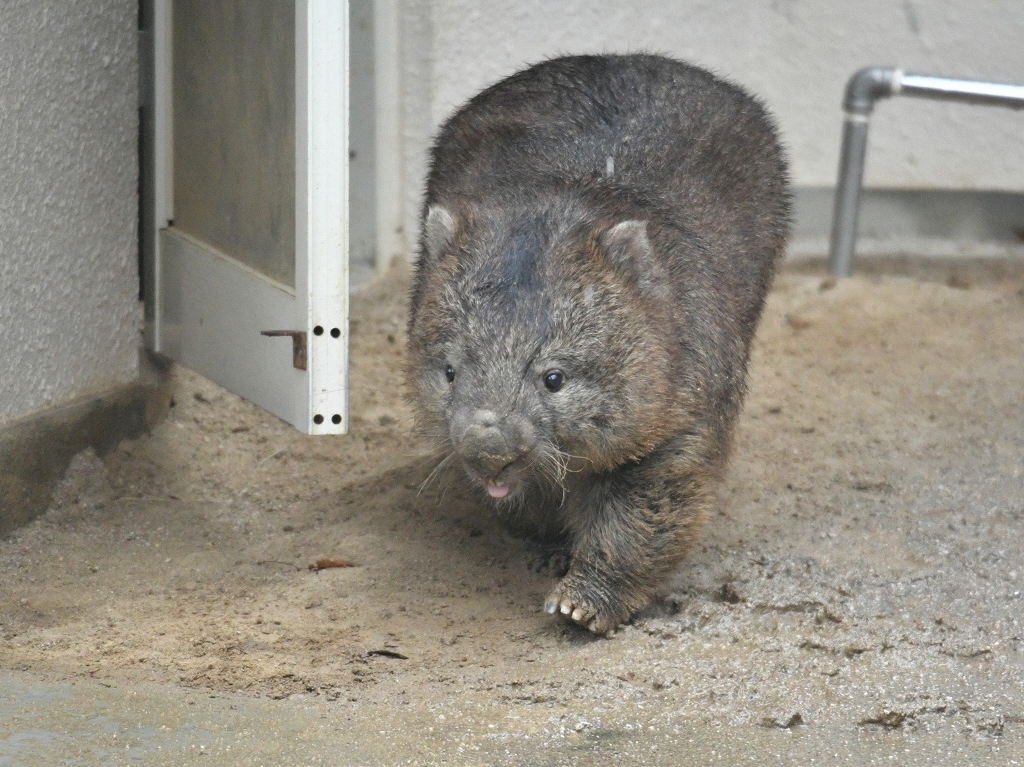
(497, 491)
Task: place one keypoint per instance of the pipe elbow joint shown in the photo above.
(867, 86)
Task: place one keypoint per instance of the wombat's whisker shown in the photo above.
(434, 455)
(568, 457)
(436, 472)
(551, 465)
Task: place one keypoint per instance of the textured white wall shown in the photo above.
(68, 145)
(796, 54)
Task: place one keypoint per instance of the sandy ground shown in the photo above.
(858, 591)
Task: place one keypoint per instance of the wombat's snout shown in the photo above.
(489, 445)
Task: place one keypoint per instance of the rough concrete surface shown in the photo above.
(795, 54)
(856, 598)
(69, 286)
(35, 452)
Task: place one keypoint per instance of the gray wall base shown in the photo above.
(35, 452)
(975, 216)
(936, 222)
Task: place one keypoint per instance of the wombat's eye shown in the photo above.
(449, 373)
(554, 379)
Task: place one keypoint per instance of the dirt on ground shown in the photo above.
(862, 573)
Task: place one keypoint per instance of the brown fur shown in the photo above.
(578, 338)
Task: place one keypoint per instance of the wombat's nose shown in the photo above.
(485, 418)
(484, 445)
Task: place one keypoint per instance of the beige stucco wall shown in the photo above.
(68, 144)
(796, 54)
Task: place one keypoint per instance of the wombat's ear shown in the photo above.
(627, 245)
(438, 230)
(629, 249)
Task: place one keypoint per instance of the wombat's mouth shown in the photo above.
(501, 477)
(501, 485)
(497, 489)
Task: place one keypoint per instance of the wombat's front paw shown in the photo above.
(586, 605)
(548, 559)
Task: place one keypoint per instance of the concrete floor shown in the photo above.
(44, 723)
(863, 573)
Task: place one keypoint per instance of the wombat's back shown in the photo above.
(696, 150)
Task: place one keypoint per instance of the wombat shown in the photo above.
(598, 236)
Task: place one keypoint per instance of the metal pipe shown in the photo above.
(847, 201)
(966, 91)
(867, 86)
(862, 91)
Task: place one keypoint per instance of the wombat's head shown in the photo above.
(538, 343)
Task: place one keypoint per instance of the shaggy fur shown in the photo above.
(599, 233)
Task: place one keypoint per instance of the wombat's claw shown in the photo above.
(579, 614)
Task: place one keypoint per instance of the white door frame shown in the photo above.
(210, 309)
(391, 239)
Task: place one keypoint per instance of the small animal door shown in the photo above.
(246, 277)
